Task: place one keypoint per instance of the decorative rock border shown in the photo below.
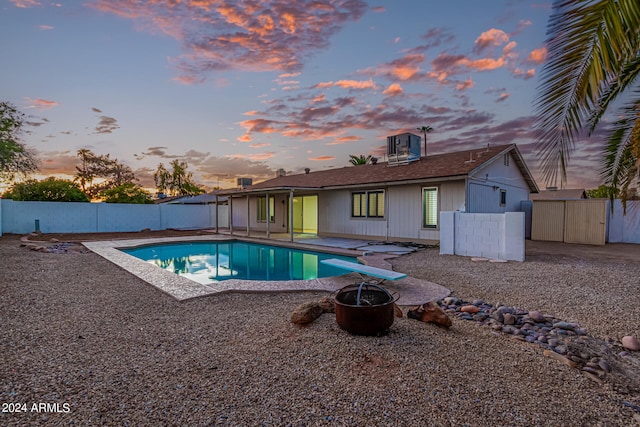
(563, 341)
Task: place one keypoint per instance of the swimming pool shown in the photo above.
(211, 262)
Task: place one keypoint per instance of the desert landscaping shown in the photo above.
(109, 349)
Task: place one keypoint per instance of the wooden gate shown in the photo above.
(570, 221)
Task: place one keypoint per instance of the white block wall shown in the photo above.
(70, 217)
(495, 236)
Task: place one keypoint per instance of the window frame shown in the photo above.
(261, 205)
(434, 190)
(503, 197)
(364, 206)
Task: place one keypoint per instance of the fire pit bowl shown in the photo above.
(364, 309)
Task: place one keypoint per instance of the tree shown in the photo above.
(48, 190)
(425, 130)
(359, 160)
(603, 192)
(15, 158)
(108, 171)
(127, 193)
(162, 177)
(178, 181)
(593, 58)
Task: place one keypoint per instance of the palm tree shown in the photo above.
(359, 160)
(425, 130)
(593, 57)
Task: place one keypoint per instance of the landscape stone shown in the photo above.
(537, 316)
(430, 312)
(327, 304)
(630, 343)
(306, 312)
(469, 309)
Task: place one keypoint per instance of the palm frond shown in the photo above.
(589, 43)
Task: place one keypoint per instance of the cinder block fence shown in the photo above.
(489, 235)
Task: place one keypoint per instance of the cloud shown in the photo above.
(502, 97)
(57, 162)
(348, 84)
(489, 39)
(25, 4)
(322, 158)
(45, 27)
(254, 157)
(345, 140)
(106, 125)
(216, 35)
(393, 90)
(260, 145)
(538, 56)
(465, 84)
(41, 104)
(378, 9)
(96, 110)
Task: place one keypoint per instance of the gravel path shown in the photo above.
(83, 334)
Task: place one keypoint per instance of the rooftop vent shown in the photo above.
(307, 170)
(281, 172)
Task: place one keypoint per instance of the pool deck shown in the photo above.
(411, 291)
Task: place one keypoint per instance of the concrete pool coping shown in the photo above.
(411, 291)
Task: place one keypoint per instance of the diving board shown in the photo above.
(380, 273)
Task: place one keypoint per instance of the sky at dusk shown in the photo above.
(242, 88)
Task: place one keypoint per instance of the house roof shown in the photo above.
(573, 193)
(431, 168)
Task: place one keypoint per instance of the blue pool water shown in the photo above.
(211, 262)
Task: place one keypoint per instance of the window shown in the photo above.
(375, 207)
(367, 204)
(506, 159)
(262, 209)
(430, 207)
(503, 197)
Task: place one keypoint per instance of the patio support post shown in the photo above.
(217, 212)
(230, 214)
(291, 215)
(248, 216)
(268, 213)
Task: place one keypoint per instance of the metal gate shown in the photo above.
(570, 221)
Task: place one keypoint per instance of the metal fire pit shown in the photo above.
(364, 309)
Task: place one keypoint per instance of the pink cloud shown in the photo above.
(465, 85)
(216, 35)
(502, 97)
(490, 38)
(322, 158)
(25, 4)
(345, 140)
(393, 90)
(41, 104)
(538, 56)
(378, 9)
(348, 84)
(260, 145)
(45, 27)
(524, 74)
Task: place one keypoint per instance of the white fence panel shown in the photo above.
(69, 217)
(496, 236)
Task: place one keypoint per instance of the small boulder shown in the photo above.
(306, 312)
(469, 309)
(537, 316)
(430, 313)
(327, 304)
(630, 343)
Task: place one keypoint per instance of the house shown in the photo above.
(398, 200)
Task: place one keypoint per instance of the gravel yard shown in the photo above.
(105, 348)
